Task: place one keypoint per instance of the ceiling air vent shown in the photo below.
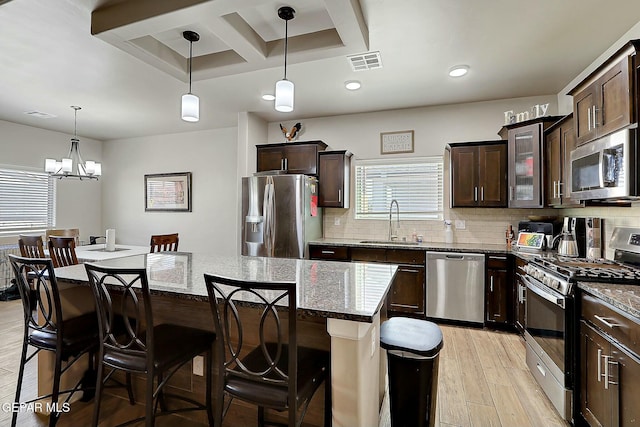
(39, 114)
(365, 61)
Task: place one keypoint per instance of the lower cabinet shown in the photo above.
(407, 293)
(609, 365)
(519, 297)
(498, 290)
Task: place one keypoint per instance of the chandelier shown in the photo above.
(73, 166)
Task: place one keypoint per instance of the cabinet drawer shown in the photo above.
(498, 262)
(611, 321)
(368, 254)
(337, 253)
(399, 256)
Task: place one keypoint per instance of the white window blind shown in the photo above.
(27, 201)
(415, 183)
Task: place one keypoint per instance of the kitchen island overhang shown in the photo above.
(350, 296)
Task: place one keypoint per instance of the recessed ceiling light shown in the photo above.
(352, 84)
(268, 97)
(458, 71)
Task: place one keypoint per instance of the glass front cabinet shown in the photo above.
(526, 163)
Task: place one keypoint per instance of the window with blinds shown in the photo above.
(415, 183)
(27, 201)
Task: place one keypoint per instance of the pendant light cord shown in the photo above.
(190, 59)
(286, 46)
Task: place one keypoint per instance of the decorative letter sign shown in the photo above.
(396, 142)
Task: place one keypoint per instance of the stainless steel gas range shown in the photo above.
(550, 326)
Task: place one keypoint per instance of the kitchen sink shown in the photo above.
(390, 242)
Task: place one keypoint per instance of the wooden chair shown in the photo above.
(277, 374)
(31, 246)
(164, 242)
(44, 329)
(64, 232)
(62, 251)
(157, 351)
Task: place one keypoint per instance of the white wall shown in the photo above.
(211, 157)
(78, 203)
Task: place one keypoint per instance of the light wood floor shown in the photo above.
(483, 381)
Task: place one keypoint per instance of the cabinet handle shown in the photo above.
(475, 194)
(339, 195)
(281, 164)
(599, 364)
(606, 372)
(606, 322)
(589, 119)
(326, 252)
(510, 192)
(409, 270)
(286, 164)
(595, 112)
(491, 283)
(497, 257)
(482, 193)
(559, 187)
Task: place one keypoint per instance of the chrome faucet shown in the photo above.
(391, 235)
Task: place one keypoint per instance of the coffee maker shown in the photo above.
(587, 233)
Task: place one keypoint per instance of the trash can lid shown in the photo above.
(413, 335)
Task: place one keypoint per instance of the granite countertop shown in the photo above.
(351, 291)
(623, 297)
(424, 246)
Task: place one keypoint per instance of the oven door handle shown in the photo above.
(559, 301)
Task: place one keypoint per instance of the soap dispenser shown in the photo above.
(448, 232)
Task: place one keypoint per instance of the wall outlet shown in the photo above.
(460, 224)
(336, 221)
(198, 366)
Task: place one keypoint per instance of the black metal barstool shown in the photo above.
(276, 374)
(157, 351)
(46, 329)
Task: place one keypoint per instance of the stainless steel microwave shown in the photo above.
(605, 168)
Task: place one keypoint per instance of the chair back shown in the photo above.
(116, 293)
(31, 246)
(64, 232)
(164, 242)
(62, 251)
(277, 340)
(38, 289)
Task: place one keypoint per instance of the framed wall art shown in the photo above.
(167, 192)
(396, 142)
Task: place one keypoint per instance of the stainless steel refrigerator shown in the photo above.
(280, 215)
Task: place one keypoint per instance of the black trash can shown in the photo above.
(413, 347)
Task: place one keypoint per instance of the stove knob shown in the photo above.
(547, 280)
(554, 283)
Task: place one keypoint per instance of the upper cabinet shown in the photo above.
(334, 171)
(560, 140)
(478, 174)
(604, 101)
(526, 160)
(294, 157)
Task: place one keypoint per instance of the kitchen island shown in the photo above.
(341, 299)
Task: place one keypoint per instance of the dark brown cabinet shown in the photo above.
(560, 140)
(295, 157)
(407, 293)
(526, 162)
(478, 174)
(498, 290)
(604, 101)
(334, 171)
(609, 365)
(519, 296)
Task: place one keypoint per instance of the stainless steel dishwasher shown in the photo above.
(455, 286)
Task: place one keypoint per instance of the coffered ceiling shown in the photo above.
(125, 61)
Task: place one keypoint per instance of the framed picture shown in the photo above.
(167, 192)
(396, 142)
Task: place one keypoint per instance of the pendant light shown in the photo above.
(65, 167)
(190, 102)
(284, 87)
